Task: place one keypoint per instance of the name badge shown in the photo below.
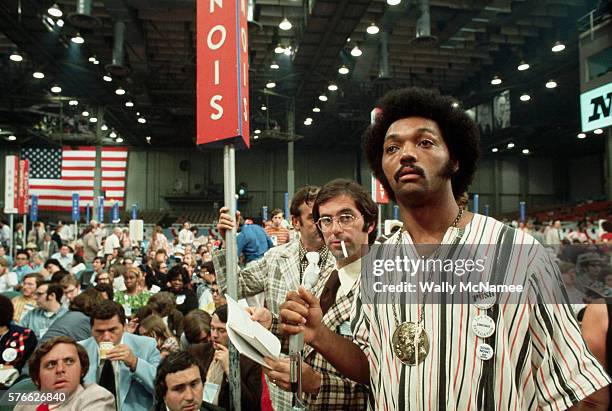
(210, 392)
(344, 329)
(128, 310)
(180, 299)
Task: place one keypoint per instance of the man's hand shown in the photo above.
(226, 222)
(262, 315)
(301, 312)
(123, 353)
(222, 355)
(132, 326)
(280, 375)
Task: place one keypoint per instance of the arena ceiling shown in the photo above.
(475, 41)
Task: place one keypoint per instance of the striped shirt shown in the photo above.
(540, 360)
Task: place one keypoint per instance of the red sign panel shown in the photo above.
(222, 72)
(23, 188)
(379, 195)
(11, 181)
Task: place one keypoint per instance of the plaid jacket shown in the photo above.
(275, 274)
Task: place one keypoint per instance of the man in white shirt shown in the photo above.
(65, 257)
(8, 280)
(185, 235)
(113, 241)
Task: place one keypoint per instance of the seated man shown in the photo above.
(71, 287)
(49, 308)
(65, 257)
(58, 366)
(16, 343)
(121, 362)
(27, 300)
(214, 360)
(22, 264)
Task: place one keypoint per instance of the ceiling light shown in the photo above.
(494, 150)
(525, 151)
(106, 77)
(142, 120)
(308, 119)
(271, 84)
(38, 74)
(264, 108)
(148, 138)
(93, 120)
(393, 2)
(323, 97)
(96, 62)
(85, 113)
(373, 29)
(112, 134)
(316, 110)
(307, 123)
(54, 11)
(274, 66)
(285, 24)
(92, 59)
(581, 135)
(129, 104)
(104, 127)
(510, 145)
(73, 103)
(77, 39)
(258, 131)
(12, 138)
(56, 89)
(523, 66)
(120, 91)
(557, 47)
(60, 23)
(279, 49)
(332, 87)
(16, 57)
(119, 140)
(50, 21)
(551, 84)
(343, 70)
(496, 81)
(356, 51)
(455, 104)
(598, 131)
(287, 51)
(525, 97)
(138, 113)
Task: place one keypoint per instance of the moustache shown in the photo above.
(415, 170)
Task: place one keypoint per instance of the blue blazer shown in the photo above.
(136, 389)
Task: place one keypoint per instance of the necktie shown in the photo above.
(42, 407)
(311, 273)
(328, 296)
(107, 377)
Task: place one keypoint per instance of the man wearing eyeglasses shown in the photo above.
(49, 308)
(21, 267)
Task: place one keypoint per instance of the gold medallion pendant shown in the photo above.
(407, 339)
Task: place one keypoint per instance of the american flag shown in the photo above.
(57, 173)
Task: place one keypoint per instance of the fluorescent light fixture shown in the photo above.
(581, 135)
(274, 65)
(148, 138)
(308, 119)
(285, 24)
(551, 84)
(258, 131)
(129, 103)
(332, 87)
(85, 113)
(55, 11)
(287, 51)
(92, 59)
(96, 62)
(60, 23)
(480, 20)
(323, 97)
(343, 70)
(525, 151)
(77, 39)
(106, 77)
(73, 103)
(104, 127)
(316, 110)
(112, 134)
(525, 97)
(56, 89)
(455, 104)
(264, 108)
(356, 51)
(16, 57)
(279, 49)
(494, 150)
(510, 145)
(373, 29)
(12, 138)
(38, 74)
(523, 66)
(307, 123)
(50, 21)
(598, 131)
(119, 140)
(120, 91)
(558, 47)
(393, 2)
(93, 120)
(496, 81)
(270, 84)
(142, 120)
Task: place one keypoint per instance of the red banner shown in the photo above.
(222, 85)
(11, 182)
(23, 191)
(379, 195)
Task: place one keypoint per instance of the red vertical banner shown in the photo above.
(11, 183)
(222, 85)
(379, 195)
(23, 188)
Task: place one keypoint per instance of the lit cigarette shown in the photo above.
(344, 249)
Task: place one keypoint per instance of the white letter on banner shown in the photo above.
(216, 72)
(245, 111)
(212, 5)
(244, 74)
(214, 104)
(212, 45)
(243, 7)
(243, 38)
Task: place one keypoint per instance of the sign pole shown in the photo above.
(24, 234)
(12, 237)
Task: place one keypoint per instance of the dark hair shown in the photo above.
(304, 195)
(106, 288)
(100, 260)
(6, 311)
(221, 312)
(210, 266)
(459, 132)
(194, 323)
(78, 259)
(22, 252)
(173, 363)
(178, 271)
(58, 276)
(52, 261)
(55, 289)
(86, 301)
(360, 196)
(45, 347)
(36, 276)
(163, 303)
(276, 211)
(106, 310)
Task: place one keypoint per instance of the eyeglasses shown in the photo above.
(344, 221)
(40, 294)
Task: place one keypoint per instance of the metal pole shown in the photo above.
(379, 225)
(24, 235)
(290, 154)
(76, 231)
(97, 179)
(229, 189)
(11, 238)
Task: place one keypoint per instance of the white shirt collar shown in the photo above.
(348, 275)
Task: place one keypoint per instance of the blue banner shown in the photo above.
(395, 212)
(475, 208)
(264, 213)
(115, 213)
(88, 213)
(287, 206)
(486, 210)
(522, 211)
(76, 212)
(101, 209)
(34, 208)
(134, 211)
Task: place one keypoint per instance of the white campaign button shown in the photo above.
(484, 301)
(484, 352)
(483, 326)
(9, 355)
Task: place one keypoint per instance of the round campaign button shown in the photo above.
(484, 301)
(13, 344)
(9, 355)
(484, 352)
(483, 326)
